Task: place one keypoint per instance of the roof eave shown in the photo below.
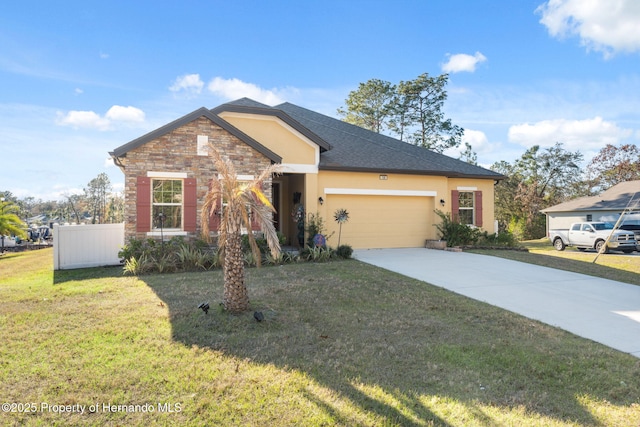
(447, 174)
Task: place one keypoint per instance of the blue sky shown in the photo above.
(80, 78)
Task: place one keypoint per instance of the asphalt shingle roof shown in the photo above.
(343, 146)
(620, 196)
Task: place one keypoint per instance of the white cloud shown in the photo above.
(104, 55)
(83, 119)
(463, 62)
(108, 163)
(477, 139)
(189, 83)
(92, 120)
(575, 135)
(235, 88)
(118, 113)
(606, 26)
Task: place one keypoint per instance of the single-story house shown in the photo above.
(390, 189)
(607, 207)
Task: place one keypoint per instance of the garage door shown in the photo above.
(383, 221)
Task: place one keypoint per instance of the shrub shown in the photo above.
(317, 254)
(139, 265)
(344, 251)
(315, 225)
(166, 263)
(261, 242)
(136, 248)
(502, 238)
(190, 257)
(456, 233)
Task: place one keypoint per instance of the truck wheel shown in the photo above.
(599, 245)
(627, 251)
(559, 244)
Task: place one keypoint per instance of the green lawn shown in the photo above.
(342, 343)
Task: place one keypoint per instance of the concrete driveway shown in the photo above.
(601, 310)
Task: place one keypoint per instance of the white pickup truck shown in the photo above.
(593, 235)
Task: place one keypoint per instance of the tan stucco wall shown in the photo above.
(277, 136)
(488, 197)
(391, 220)
(387, 218)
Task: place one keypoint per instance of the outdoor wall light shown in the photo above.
(320, 200)
(441, 202)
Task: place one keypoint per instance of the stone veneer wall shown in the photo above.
(177, 152)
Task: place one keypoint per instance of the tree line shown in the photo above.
(411, 111)
(97, 204)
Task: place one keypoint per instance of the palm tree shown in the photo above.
(10, 223)
(241, 203)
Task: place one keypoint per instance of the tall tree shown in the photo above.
(410, 111)
(540, 178)
(424, 99)
(400, 119)
(115, 208)
(468, 155)
(613, 165)
(369, 105)
(74, 205)
(240, 203)
(96, 193)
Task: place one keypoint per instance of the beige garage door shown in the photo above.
(383, 221)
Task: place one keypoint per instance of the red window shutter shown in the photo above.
(455, 205)
(190, 204)
(478, 208)
(143, 204)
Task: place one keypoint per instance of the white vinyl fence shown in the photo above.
(81, 246)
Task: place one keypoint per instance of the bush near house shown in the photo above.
(142, 256)
(457, 234)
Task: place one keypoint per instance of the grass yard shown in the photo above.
(614, 265)
(342, 343)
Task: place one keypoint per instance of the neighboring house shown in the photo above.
(607, 207)
(391, 189)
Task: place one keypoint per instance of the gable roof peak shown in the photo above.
(200, 112)
(247, 102)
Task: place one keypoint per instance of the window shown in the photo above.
(167, 200)
(465, 207)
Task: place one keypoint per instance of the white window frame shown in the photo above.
(155, 232)
(467, 208)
